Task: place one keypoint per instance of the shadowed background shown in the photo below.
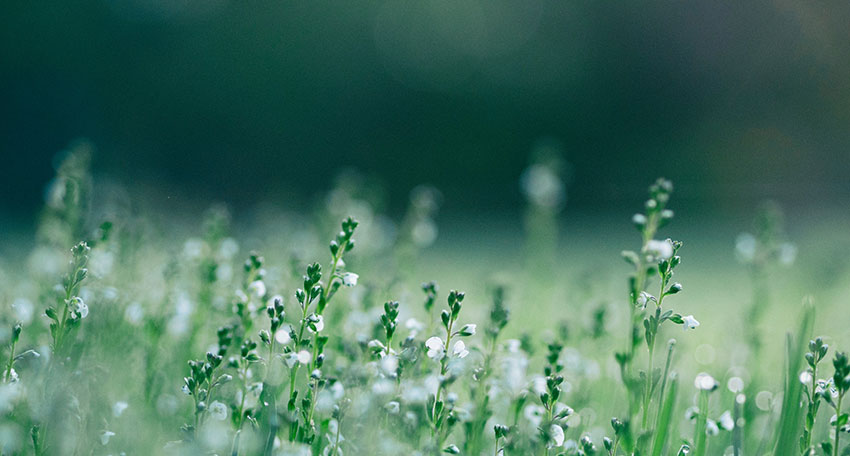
(734, 101)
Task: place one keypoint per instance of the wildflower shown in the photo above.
(118, 408)
(534, 414)
(304, 357)
(349, 279)
(661, 250)
(468, 330)
(705, 382)
(186, 390)
(745, 247)
(218, 411)
(79, 307)
(435, 347)
(414, 326)
(290, 359)
(459, 349)
(711, 428)
(805, 377)
(735, 384)
(257, 288)
(317, 324)
(787, 254)
(556, 434)
(392, 407)
(104, 437)
(542, 186)
(643, 298)
(725, 421)
(389, 364)
(689, 322)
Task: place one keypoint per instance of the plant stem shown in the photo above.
(700, 436)
(837, 428)
(8, 374)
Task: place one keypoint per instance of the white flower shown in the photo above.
(643, 298)
(711, 427)
(392, 407)
(414, 326)
(218, 411)
(513, 345)
(282, 336)
(459, 349)
(79, 306)
(185, 390)
(304, 357)
(389, 364)
(705, 382)
(538, 384)
(661, 250)
(534, 414)
(805, 377)
(290, 359)
(349, 279)
(318, 325)
(13, 376)
(735, 384)
(787, 254)
(257, 288)
(689, 322)
(556, 433)
(436, 348)
(23, 309)
(542, 186)
(725, 421)
(468, 330)
(118, 408)
(337, 391)
(104, 437)
(745, 247)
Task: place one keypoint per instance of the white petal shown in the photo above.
(304, 357)
(557, 435)
(434, 343)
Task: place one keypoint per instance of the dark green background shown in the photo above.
(240, 101)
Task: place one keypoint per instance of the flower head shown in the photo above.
(104, 437)
(218, 410)
(459, 349)
(257, 288)
(705, 382)
(661, 250)
(556, 435)
(78, 307)
(349, 279)
(689, 322)
(436, 348)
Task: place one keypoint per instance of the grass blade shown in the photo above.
(790, 418)
(662, 426)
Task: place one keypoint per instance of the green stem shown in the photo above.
(336, 437)
(811, 406)
(11, 362)
(443, 368)
(700, 436)
(837, 428)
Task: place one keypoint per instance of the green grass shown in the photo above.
(337, 364)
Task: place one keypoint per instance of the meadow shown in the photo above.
(341, 329)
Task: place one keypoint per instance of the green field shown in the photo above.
(128, 329)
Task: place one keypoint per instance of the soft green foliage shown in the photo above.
(293, 352)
